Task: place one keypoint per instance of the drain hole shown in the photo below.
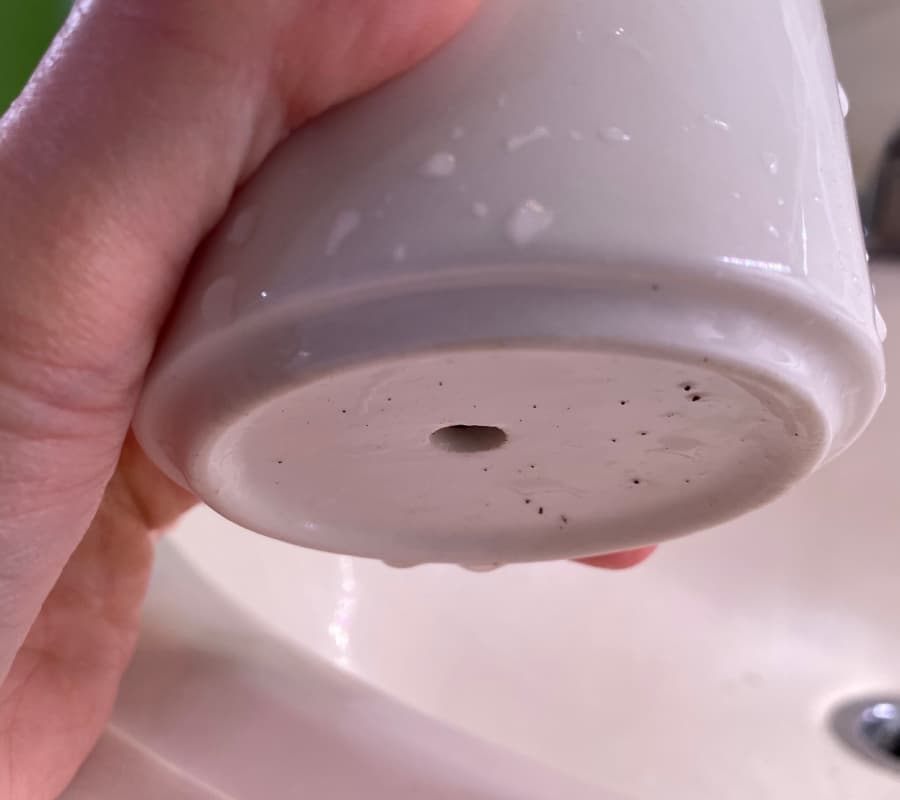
(880, 726)
(469, 438)
(871, 728)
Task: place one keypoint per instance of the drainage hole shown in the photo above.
(880, 726)
(871, 728)
(469, 438)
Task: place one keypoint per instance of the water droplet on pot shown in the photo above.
(440, 165)
(714, 122)
(528, 222)
(515, 143)
(880, 325)
(615, 135)
(345, 225)
(845, 101)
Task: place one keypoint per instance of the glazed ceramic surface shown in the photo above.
(591, 277)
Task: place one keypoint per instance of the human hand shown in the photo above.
(119, 157)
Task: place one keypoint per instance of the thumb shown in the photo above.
(120, 155)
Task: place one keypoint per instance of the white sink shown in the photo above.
(709, 673)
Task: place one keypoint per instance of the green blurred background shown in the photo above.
(26, 28)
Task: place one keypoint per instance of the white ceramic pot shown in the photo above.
(590, 278)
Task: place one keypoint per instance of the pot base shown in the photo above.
(489, 456)
(473, 422)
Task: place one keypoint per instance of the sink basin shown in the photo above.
(710, 673)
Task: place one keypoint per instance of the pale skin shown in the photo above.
(114, 164)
